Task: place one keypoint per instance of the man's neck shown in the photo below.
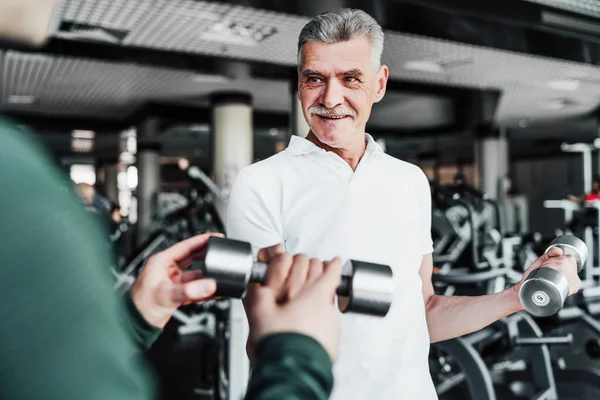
(352, 155)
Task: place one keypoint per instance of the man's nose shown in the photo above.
(333, 95)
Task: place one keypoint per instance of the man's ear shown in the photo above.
(27, 22)
(381, 83)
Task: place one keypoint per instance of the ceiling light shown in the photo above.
(555, 104)
(424, 66)
(18, 99)
(228, 32)
(93, 36)
(183, 163)
(82, 134)
(564, 84)
(210, 79)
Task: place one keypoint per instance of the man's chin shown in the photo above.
(329, 138)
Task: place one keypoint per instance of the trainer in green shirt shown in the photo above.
(66, 335)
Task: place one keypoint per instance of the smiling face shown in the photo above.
(337, 86)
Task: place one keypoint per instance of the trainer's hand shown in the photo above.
(297, 296)
(555, 259)
(163, 285)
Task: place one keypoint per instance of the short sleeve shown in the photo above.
(424, 192)
(252, 212)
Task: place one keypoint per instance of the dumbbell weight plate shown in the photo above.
(544, 292)
(571, 245)
(370, 288)
(228, 262)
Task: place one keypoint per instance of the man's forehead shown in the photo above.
(338, 57)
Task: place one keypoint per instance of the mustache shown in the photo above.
(320, 110)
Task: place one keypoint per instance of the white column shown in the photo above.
(233, 150)
(233, 146)
(148, 169)
(492, 162)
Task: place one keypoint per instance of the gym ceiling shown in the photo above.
(457, 67)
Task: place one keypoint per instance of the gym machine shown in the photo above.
(512, 358)
(509, 359)
(592, 269)
(462, 225)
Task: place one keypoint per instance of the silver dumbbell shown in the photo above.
(545, 290)
(365, 288)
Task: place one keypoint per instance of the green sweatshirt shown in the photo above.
(64, 333)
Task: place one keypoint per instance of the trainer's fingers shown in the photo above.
(315, 270)
(266, 254)
(198, 290)
(329, 281)
(278, 271)
(188, 276)
(297, 277)
(185, 249)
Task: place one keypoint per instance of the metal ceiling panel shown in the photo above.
(585, 7)
(533, 87)
(72, 86)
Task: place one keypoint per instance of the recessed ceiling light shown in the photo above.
(18, 99)
(564, 84)
(77, 134)
(210, 79)
(424, 66)
(555, 104)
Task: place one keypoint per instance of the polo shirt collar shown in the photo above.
(299, 145)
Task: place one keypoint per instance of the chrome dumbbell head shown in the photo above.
(571, 245)
(229, 263)
(545, 290)
(366, 288)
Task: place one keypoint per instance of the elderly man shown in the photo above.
(336, 193)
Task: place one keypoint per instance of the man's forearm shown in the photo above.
(453, 316)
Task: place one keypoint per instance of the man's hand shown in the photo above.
(297, 296)
(554, 258)
(163, 285)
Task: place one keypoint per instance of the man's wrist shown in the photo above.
(154, 319)
(513, 299)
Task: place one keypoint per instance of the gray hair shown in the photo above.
(340, 26)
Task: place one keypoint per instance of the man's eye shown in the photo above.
(314, 79)
(350, 79)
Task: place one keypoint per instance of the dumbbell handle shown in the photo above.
(259, 273)
(545, 290)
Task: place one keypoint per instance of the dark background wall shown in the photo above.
(548, 179)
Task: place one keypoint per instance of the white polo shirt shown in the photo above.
(311, 200)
